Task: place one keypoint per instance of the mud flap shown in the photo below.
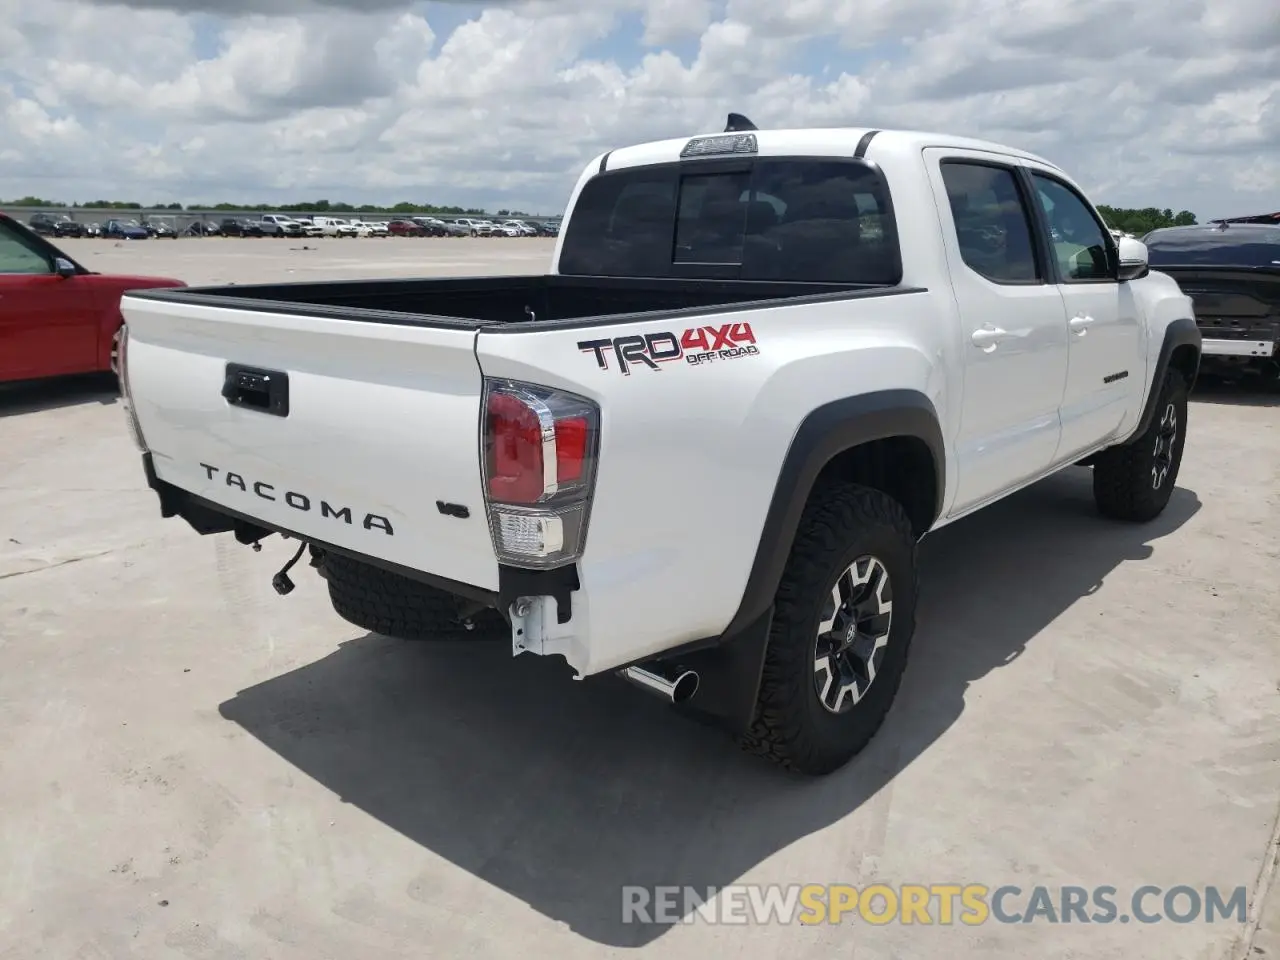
(729, 674)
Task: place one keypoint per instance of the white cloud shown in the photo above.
(1171, 104)
(666, 21)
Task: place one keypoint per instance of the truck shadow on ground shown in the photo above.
(32, 396)
(560, 793)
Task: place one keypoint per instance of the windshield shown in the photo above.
(814, 220)
(1233, 246)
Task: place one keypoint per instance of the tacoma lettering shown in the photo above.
(327, 511)
(298, 501)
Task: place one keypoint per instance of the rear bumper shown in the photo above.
(206, 517)
(730, 666)
(1239, 348)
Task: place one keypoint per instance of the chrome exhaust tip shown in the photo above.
(673, 684)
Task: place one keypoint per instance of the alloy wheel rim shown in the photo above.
(1166, 435)
(853, 633)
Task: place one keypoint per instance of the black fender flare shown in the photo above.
(1182, 332)
(825, 433)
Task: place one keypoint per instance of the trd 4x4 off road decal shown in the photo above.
(697, 345)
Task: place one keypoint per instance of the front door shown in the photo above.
(1013, 324)
(1106, 366)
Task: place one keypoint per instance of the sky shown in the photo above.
(1165, 103)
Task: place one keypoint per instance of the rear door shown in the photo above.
(360, 434)
(1014, 324)
(48, 323)
(1106, 366)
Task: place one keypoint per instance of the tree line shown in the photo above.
(312, 206)
(1141, 222)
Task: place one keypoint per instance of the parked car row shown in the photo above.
(283, 225)
(55, 225)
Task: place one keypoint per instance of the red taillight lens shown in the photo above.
(571, 449)
(538, 502)
(514, 450)
(515, 421)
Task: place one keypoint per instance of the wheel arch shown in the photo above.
(1179, 350)
(890, 440)
(110, 323)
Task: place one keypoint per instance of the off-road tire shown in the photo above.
(791, 727)
(395, 606)
(1124, 477)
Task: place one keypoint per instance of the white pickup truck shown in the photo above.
(701, 450)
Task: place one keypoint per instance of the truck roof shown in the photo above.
(818, 141)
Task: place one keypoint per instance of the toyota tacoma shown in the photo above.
(701, 450)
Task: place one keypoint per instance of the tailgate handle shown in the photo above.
(264, 390)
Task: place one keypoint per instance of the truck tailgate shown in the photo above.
(377, 450)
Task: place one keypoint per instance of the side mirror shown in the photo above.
(1133, 259)
(64, 268)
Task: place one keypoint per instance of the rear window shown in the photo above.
(820, 221)
(1231, 247)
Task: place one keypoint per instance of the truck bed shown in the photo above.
(473, 302)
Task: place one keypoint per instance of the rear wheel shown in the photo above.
(1136, 480)
(843, 620)
(395, 606)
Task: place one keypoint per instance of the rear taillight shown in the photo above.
(126, 395)
(539, 471)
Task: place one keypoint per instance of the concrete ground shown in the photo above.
(192, 766)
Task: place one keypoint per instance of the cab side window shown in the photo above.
(1080, 243)
(18, 254)
(993, 229)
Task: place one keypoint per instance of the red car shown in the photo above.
(56, 317)
(405, 228)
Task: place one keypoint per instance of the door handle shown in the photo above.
(987, 337)
(1080, 325)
